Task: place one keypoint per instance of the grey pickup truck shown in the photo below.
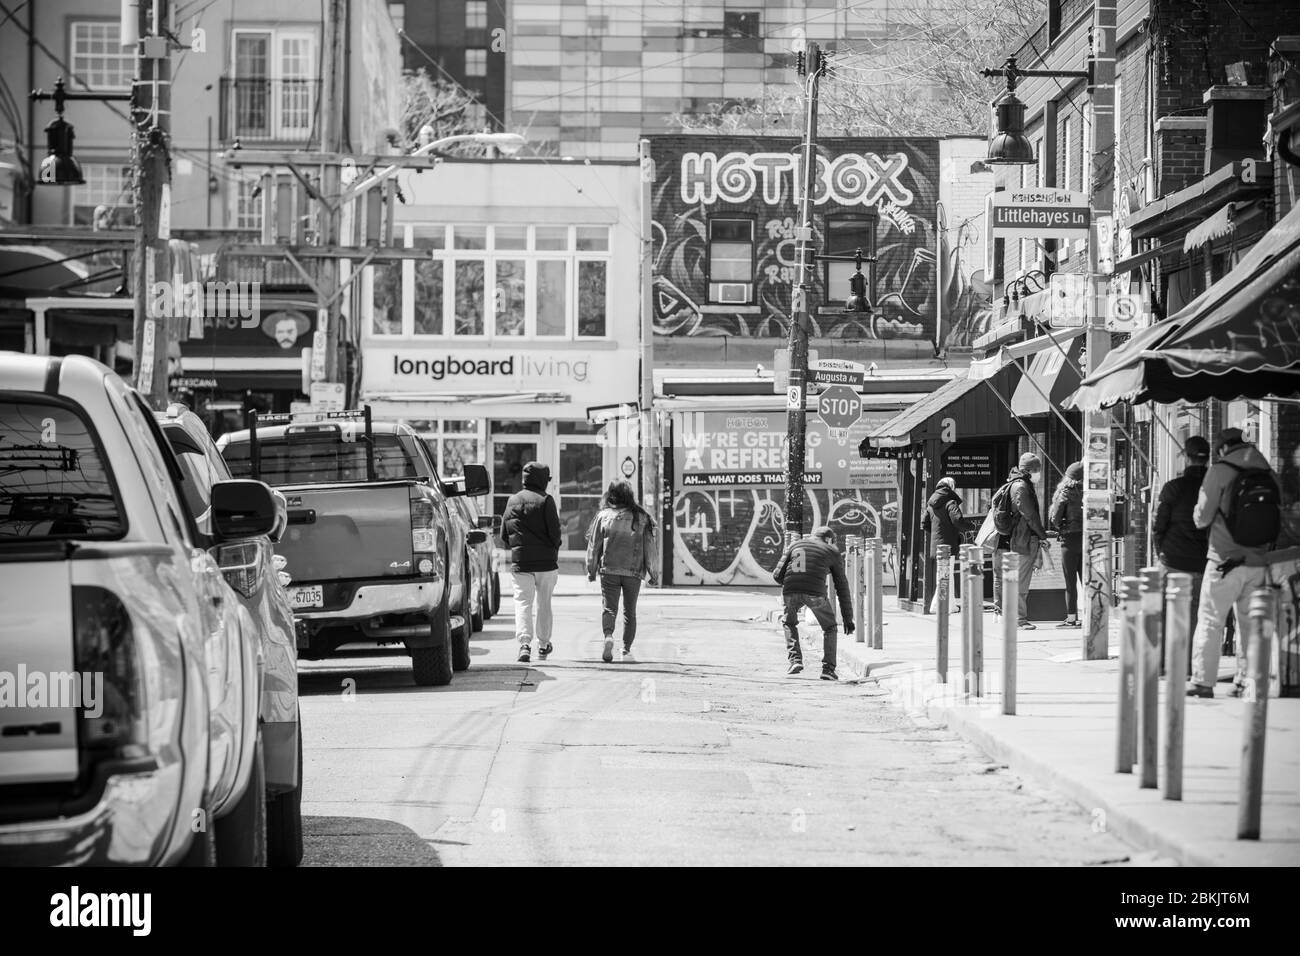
(374, 553)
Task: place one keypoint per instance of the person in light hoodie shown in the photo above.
(623, 549)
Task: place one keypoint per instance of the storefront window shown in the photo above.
(591, 298)
(469, 298)
(428, 297)
(552, 296)
(451, 443)
(510, 237)
(515, 427)
(551, 237)
(510, 292)
(386, 299)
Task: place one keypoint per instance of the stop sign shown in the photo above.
(839, 406)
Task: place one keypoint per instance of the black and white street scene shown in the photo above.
(644, 433)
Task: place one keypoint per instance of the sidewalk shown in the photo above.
(1063, 736)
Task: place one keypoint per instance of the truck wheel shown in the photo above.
(460, 639)
(431, 666)
(284, 820)
(241, 834)
(496, 592)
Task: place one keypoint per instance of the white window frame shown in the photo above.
(477, 21)
(276, 75)
(114, 52)
(530, 255)
(123, 196)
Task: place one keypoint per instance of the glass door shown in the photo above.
(582, 482)
(509, 455)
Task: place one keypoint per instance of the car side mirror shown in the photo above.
(476, 537)
(490, 522)
(243, 508)
(476, 481)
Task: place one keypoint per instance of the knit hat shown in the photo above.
(1229, 436)
(1030, 462)
(1075, 471)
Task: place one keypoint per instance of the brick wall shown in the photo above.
(1180, 153)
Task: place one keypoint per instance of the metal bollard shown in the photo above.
(876, 585)
(1178, 610)
(967, 614)
(1250, 793)
(854, 573)
(943, 568)
(869, 557)
(1148, 682)
(1010, 628)
(975, 653)
(1126, 748)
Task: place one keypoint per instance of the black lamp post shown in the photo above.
(1009, 145)
(60, 167)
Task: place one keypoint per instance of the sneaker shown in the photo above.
(525, 653)
(796, 667)
(542, 652)
(627, 656)
(1069, 623)
(828, 673)
(1026, 626)
(1196, 690)
(607, 655)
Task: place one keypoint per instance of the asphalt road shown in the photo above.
(704, 752)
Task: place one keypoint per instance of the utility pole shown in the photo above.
(1098, 570)
(329, 323)
(812, 63)
(152, 116)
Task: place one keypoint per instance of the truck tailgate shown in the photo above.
(344, 532)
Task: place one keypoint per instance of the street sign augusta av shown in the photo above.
(839, 407)
(1043, 213)
(837, 372)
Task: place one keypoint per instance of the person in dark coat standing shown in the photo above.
(801, 572)
(1065, 516)
(942, 522)
(530, 527)
(1028, 537)
(1180, 544)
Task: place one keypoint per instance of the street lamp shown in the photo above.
(60, 167)
(1009, 145)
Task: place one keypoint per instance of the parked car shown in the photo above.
(249, 566)
(484, 555)
(150, 752)
(372, 548)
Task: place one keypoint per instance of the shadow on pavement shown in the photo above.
(323, 681)
(363, 841)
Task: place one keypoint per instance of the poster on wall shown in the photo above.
(1098, 476)
(1099, 445)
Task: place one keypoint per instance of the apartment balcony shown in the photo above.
(265, 111)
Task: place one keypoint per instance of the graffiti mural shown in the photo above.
(735, 535)
(967, 294)
(885, 189)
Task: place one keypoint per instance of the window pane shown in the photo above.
(552, 297)
(577, 428)
(455, 453)
(552, 237)
(476, 62)
(845, 235)
(509, 302)
(469, 298)
(514, 426)
(387, 300)
(461, 425)
(591, 298)
(730, 261)
(428, 297)
(593, 239)
(470, 237)
(429, 237)
(510, 237)
(731, 230)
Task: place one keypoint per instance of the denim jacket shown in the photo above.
(614, 547)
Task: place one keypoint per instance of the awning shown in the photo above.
(897, 431)
(1238, 339)
(1223, 222)
(28, 269)
(1052, 375)
(988, 366)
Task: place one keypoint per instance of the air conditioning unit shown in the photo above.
(731, 293)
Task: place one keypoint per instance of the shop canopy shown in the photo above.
(973, 410)
(1238, 339)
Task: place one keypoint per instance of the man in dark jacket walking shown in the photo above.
(530, 528)
(801, 572)
(942, 522)
(1028, 537)
(1181, 545)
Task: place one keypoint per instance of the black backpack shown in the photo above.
(1254, 514)
(1004, 509)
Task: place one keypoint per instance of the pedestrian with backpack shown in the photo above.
(1065, 516)
(1018, 519)
(622, 549)
(1240, 502)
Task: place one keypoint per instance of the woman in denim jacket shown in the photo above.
(622, 548)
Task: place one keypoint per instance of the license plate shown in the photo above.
(311, 596)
